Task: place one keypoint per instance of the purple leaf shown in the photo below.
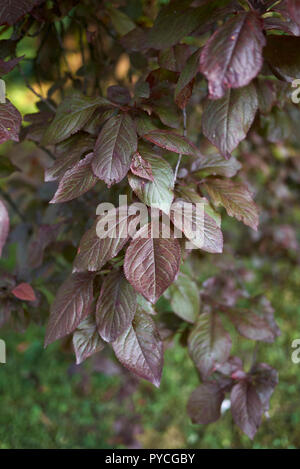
(12, 10)
(24, 292)
(72, 304)
(236, 199)
(10, 122)
(151, 264)
(251, 325)
(294, 10)
(6, 67)
(140, 349)
(116, 144)
(68, 153)
(184, 87)
(86, 340)
(95, 251)
(4, 225)
(246, 408)
(141, 168)
(226, 122)
(215, 165)
(232, 57)
(171, 141)
(211, 239)
(46, 235)
(209, 344)
(116, 306)
(76, 181)
(265, 380)
(204, 405)
(267, 95)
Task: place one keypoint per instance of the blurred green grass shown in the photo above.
(43, 405)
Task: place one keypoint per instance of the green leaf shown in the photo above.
(71, 116)
(159, 193)
(185, 298)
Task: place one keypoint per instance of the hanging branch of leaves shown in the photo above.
(133, 140)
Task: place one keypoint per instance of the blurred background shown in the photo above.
(46, 401)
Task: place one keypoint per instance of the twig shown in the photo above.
(35, 92)
(83, 60)
(180, 155)
(48, 152)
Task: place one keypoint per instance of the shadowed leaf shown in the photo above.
(116, 144)
(76, 181)
(204, 405)
(232, 57)
(86, 340)
(140, 349)
(151, 264)
(209, 343)
(226, 121)
(246, 408)
(72, 304)
(116, 306)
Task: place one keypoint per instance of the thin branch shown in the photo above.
(180, 155)
(35, 92)
(83, 60)
(48, 152)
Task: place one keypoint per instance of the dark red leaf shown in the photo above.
(246, 408)
(116, 306)
(204, 405)
(12, 10)
(76, 181)
(141, 167)
(24, 292)
(226, 121)
(116, 144)
(86, 340)
(232, 57)
(10, 122)
(72, 304)
(4, 225)
(151, 264)
(140, 349)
